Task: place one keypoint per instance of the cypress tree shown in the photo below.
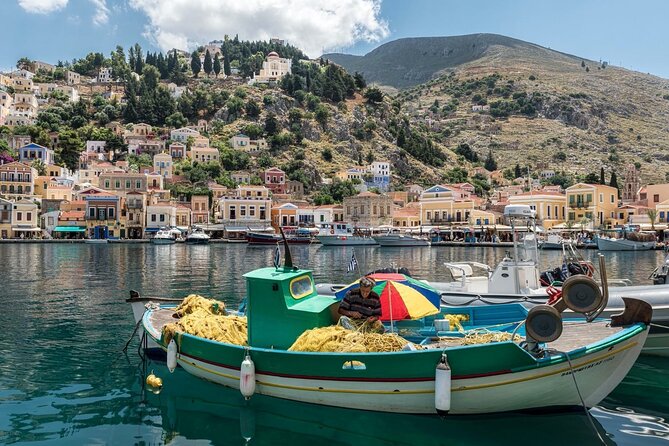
(517, 172)
(195, 64)
(226, 65)
(217, 65)
(490, 163)
(602, 179)
(208, 66)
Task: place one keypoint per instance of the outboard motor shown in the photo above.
(659, 274)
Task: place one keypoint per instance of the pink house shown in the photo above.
(274, 179)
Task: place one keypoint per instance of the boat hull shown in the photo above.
(197, 241)
(605, 244)
(273, 239)
(401, 241)
(487, 378)
(345, 240)
(162, 241)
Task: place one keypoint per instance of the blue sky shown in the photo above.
(631, 34)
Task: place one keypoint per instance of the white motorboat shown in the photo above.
(398, 239)
(96, 241)
(343, 234)
(623, 244)
(554, 241)
(163, 237)
(197, 236)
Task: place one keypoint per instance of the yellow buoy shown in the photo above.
(153, 381)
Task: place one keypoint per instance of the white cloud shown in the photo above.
(312, 25)
(42, 6)
(101, 16)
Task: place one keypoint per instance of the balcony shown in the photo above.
(134, 205)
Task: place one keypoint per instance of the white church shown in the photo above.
(273, 69)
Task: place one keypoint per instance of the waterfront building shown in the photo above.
(160, 214)
(438, 206)
(102, 214)
(368, 209)
(25, 219)
(653, 194)
(591, 204)
(379, 175)
(199, 205)
(134, 206)
(284, 215)
(406, 217)
(246, 206)
(550, 206)
(17, 180)
(5, 218)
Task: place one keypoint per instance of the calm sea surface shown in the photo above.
(64, 379)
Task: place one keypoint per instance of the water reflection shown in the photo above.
(194, 409)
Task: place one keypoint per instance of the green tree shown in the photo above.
(195, 64)
(359, 79)
(322, 114)
(271, 124)
(176, 120)
(217, 65)
(652, 215)
(591, 178)
(226, 65)
(490, 163)
(208, 64)
(326, 153)
(69, 149)
(614, 180)
(517, 172)
(373, 95)
(252, 109)
(602, 178)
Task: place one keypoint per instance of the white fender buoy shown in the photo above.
(172, 355)
(247, 377)
(442, 386)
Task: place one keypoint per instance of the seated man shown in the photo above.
(361, 308)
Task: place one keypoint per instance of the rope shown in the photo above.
(580, 396)
(134, 332)
(653, 324)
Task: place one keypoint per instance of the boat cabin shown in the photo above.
(282, 303)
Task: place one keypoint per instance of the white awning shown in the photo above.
(16, 229)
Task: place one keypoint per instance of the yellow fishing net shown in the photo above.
(455, 320)
(207, 319)
(336, 338)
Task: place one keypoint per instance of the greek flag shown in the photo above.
(353, 264)
(277, 257)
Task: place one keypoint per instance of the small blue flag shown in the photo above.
(277, 257)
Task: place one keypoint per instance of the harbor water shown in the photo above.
(64, 379)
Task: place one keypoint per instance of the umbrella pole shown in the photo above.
(390, 304)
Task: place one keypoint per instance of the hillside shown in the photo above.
(547, 109)
(407, 62)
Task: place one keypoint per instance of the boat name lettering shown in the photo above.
(589, 366)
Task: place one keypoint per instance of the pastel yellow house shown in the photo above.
(551, 207)
(438, 207)
(204, 154)
(655, 194)
(597, 203)
(408, 216)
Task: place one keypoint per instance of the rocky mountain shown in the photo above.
(407, 62)
(526, 104)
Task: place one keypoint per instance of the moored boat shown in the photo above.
(398, 239)
(484, 378)
(197, 236)
(627, 238)
(343, 234)
(299, 236)
(163, 237)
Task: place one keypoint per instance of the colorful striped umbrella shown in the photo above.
(402, 297)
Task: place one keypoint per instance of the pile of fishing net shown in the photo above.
(640, 237)
(336, 338)
(455, 321)
(207, 319)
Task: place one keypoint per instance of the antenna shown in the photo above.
(288, 258)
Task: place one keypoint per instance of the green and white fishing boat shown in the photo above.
(558, 365)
